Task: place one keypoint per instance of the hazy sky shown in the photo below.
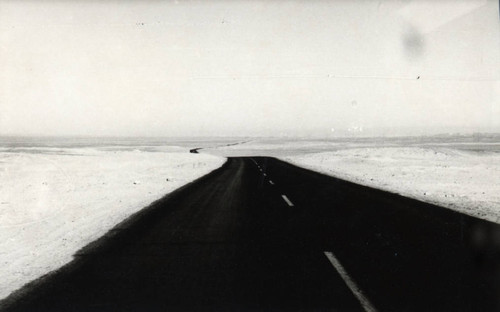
(248, 67)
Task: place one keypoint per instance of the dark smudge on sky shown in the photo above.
(413, 43)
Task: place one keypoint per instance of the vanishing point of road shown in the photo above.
(260, 234)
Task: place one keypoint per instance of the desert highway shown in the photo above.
(260, 234)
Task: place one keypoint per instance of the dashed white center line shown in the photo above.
(271, 182)
(264, 174)
(365, 303)
(287, 200)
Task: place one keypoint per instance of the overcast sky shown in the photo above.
(271, 68)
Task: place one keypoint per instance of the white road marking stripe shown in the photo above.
(287, 200)
(255, 162)
(365, 303)
(264, 174)
(271, 182)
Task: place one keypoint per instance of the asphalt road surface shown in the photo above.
(261, 234)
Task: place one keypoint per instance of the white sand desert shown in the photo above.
(54, 201)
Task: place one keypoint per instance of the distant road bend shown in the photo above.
(261, 234)
(197, 149)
